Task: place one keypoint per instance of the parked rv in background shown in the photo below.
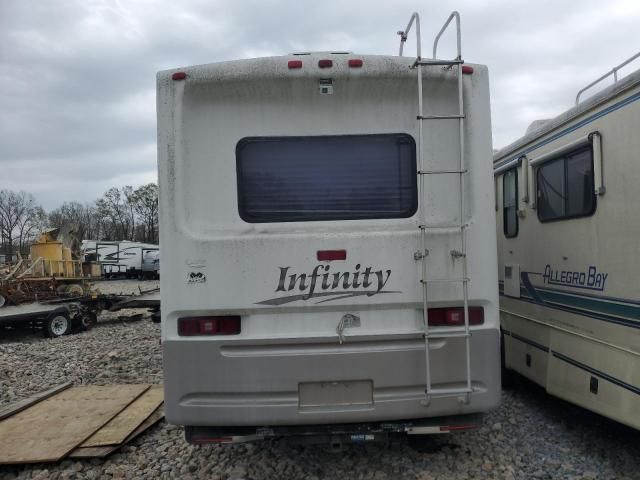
(151, 264)
(123, 258)
(329, 229)
(569, 252)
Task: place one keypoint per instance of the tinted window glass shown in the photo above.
(510, 202)
(580, 186)
(551, 195)
(284, 179)
(566, 186)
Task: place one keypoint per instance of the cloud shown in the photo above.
(78, 77)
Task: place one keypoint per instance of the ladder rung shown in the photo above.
(447, 335)
(448, 391)
(438, 117)
(445, 227)
(438, 62)
(447, 280)
(437, 172)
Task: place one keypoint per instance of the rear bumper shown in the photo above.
(253, 383)
(353, 432)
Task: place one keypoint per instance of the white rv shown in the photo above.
(568, 229)
(118, 257)
(330, 263)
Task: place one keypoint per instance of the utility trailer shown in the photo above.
(62, 316)
(55, 320)
(329, 234)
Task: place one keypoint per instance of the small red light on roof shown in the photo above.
(355, 63)
(179, 76)
(295, 64)
(326, 63)
(328, 255)
(467, 70)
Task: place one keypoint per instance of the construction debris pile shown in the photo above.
(77, 422)
(52, 271)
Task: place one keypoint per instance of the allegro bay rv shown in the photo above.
(328, 227)
(569, 250)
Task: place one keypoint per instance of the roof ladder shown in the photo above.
(462, 393)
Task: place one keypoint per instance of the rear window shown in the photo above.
(350, 177)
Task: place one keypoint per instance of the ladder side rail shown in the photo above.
(464, 168)
(453, 15)
(404, 34)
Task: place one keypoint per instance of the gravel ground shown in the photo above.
(531, 436)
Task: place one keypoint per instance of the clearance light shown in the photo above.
(328, 255)
(196, 326)
(294, 64)
(355, 63)
(326, 63)
(179, 76)
(454, 317)
(467, 70)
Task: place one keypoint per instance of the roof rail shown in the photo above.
(613, 71)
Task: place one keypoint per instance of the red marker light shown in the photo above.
(223, 325)
(355, 63)
(467, 70)
(329, 255)
(179, 76)
(326, 63)
(294, 64)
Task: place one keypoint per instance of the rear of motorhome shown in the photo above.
(329, 246)
(568, 229)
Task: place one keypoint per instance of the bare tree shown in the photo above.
(145, 204)
(117, 214)
(20, 219)
(83, 219)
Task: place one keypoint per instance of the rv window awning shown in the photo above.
(512, 163)
(558, 152)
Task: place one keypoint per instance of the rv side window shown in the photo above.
(565, 187)
(510, 203)
(350, 177)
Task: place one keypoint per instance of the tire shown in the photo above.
(58, 324)
(2, 301)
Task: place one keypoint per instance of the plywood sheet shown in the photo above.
(32, 400)
(50, 429)
(101, 452)
(123, 424)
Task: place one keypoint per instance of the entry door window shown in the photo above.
(510, 203)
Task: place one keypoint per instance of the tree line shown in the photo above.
(125, 213)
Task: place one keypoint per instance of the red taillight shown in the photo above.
(454, 317)
(326, 63)
(328, 255)
(467, 70)
(193, 326)
(295, 64)
(355, 63)
(179, 76)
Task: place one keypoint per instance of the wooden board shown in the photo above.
(50, 429)
(123, 424)
(32, 400)
(101, 452)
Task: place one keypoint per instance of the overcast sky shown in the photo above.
(77, 78)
